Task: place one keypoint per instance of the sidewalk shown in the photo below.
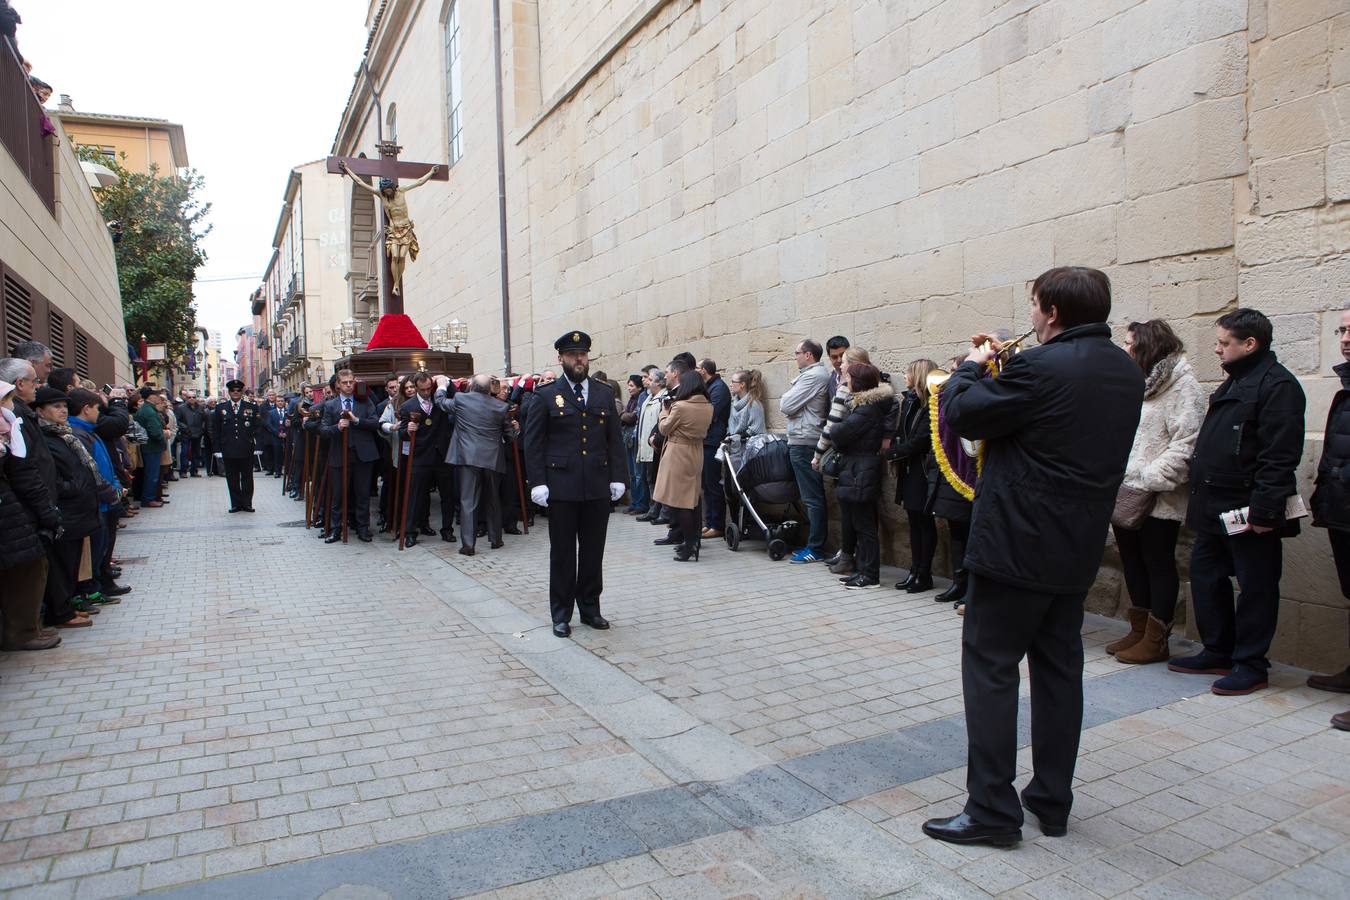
(265, 715)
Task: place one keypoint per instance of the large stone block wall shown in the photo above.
(731, 175)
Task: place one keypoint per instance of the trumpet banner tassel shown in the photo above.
(962, 483)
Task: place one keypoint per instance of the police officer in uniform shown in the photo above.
(234, 426)
(574, 458)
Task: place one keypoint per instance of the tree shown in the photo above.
(159, 224)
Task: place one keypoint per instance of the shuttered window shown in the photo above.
(18, 313)
(81, 354)
(57, 335)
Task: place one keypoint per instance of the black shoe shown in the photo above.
(562, 629)
(685, 552)
(924, 582)
(448, 536)
(333, 538)
(511, 529)
(427, 531)
(234, 509)
(1049, 829)
(112, 589)
(667, 541)
(860, 581)
(661, 520)
(115, 571)
(249, 509)
(963, 829)
(956, 591)
(908, 582)
(364, 536)
(497, 545)
(599, 623)
(644, 517)
(410, 540)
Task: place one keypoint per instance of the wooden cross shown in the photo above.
(387, 166)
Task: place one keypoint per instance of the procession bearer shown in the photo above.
(575, 462)
(234, 427)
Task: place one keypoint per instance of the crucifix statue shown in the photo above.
(400, 241)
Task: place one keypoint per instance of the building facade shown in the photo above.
(138, 143)
(727, 176)
(57, 269)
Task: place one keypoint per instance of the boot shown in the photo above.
(1138, 616)
(957, 591)
(923, 581)
(843, 564)
(908, 582)
(1151, 648)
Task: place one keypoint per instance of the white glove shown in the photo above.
(220, 456)
(616, 490)
(539, 495)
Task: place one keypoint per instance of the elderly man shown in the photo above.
(38, 355)
(476, 449)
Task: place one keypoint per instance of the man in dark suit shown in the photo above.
(477, 452)
(273, 421)
(714, 500)
(355, 417)
(1057, 425)
(427, 415)
(575, 462)
(234, 428)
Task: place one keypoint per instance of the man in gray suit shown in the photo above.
(477, 449)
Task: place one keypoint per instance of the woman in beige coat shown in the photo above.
(684, 423)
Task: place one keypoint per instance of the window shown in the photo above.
(106, 150)
(391, 123)
(56, 332)
(18, 318)
(81, 354)
(454, 84)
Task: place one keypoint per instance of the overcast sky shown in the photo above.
(258, 86)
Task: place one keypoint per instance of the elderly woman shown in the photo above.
(23, 561)
(684, 423)
(78, 499)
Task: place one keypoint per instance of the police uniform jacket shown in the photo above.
(361, 443)
(232, 434)
(576, 452)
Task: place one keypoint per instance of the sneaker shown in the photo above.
(1202, 663)
(859, 582)
(804, 555)
(1241, 680)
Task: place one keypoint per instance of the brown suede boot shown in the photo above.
(1151, 648)
(1138, 616)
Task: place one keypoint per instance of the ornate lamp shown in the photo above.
(335, 336)
(353, 335)
(438, 337)
(458, 333)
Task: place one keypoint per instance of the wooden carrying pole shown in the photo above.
(345, 432)
(304, 479)
(407, 489)
(520, 490)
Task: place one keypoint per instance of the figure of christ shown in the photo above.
(400, 241)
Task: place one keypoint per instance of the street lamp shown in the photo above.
(438, 337)
(458, 333)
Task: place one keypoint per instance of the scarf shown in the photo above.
(65, 433)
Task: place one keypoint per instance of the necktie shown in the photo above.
(346, 404)
(581, 398)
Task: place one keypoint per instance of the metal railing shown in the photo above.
(21, 131)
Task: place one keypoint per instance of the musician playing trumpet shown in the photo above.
(1057, 422)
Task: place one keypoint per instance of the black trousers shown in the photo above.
(1240, 630)
(358, 495)
(443, 478)
(1002, 624)
(1148, 556)
(239, 479)
(714, 500)
(576, 534)
(959, 529)
(922, 541)
(63, 568)
(479, 491)
(862, 523)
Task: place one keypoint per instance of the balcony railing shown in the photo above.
(21, 127)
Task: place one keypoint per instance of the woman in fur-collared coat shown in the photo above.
(858, 438)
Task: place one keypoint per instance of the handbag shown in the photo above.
(831, 463)
(1133, 506)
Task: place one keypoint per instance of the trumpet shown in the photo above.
(1005, 353)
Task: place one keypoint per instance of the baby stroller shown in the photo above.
(761, 491)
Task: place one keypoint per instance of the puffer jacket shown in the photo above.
(805, 403)
(19, 542)
(76, 489)
(33, 476)
(1174, 407)
(1331, 498)
(912, 449)
(858, 438)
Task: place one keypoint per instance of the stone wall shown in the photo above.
(730, 175)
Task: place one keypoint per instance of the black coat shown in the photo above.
(577, 453)
(113, 422)
(191, 420)
(361, 443)
(1331, 498)
(1249, 447)
(912, 449)
(433, 434)
(19, 542)
(33, 478)
(76, 489)
(858, 438)
(1058, 426)
(719, 395)
(232, 436)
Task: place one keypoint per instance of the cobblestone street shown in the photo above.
(265, 716)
